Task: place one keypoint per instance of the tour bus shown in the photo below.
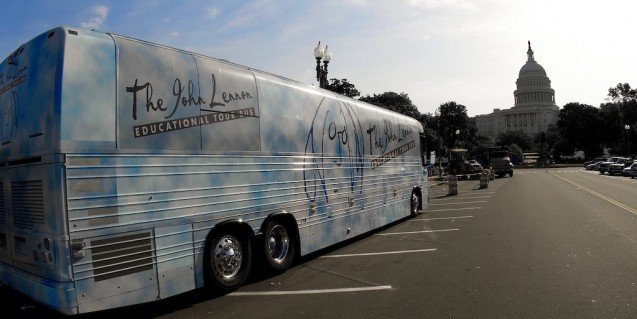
(132, 171)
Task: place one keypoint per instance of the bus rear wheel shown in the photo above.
(229, 260)
(415, 203)
(278, 246)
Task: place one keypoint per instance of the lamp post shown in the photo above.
(439, 148)
(457, 134)
(321, 72)
(627, 128)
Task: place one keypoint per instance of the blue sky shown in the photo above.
(467, 51)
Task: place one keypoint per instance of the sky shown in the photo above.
(436, 51)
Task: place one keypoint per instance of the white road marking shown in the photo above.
(458, 203)
(449, 209)
(307, 292)
(380, 253)
(418, 232)
(439, 218)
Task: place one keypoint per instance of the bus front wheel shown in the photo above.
(278, 246)
(229, 260)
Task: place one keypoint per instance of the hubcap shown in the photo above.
(278, 243)
(228, 256)
(414, 203)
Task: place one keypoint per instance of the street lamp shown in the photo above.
(321, 72)
(627, 127)
(457, 134)
(439, 148)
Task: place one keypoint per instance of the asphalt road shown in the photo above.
(558, 243)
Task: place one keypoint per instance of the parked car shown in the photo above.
(593, 166)
(633, 170)
(476, 166)
(603, 166)
(619, 165)
(626, 171)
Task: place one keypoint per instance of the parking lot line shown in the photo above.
(458, 203)
(307, 292)
(439, 218)
(450, 209)
(381, 253)
(418, 232)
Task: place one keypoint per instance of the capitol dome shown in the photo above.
(533, 85)
(532, 68)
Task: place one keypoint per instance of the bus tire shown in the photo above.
(278, 246)
(229, 260)
(415, 203)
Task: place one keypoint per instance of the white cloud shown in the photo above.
(95, 22)
(213, 12)
(174, 34)
(435, 4)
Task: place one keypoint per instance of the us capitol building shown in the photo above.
(534, 107)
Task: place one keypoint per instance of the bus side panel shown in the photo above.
(159, 98)
(88, 99)
(116, 270)
(393, 155)
(29, 78)
(231, 119)
(175, 259)
(333, 168)
(368, 217)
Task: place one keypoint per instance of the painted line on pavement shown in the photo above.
(418, 232)
(450, 209)
(602, 196)
(439, 218)
(461, 198)
(474, 202)
(307, 292)
(381, 253)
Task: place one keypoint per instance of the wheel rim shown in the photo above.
(278, 243)
(228, 256)
(414, 203)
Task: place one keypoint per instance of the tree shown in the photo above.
(622, 93)
(393, 101)
(613, 119)
(453, 117)
(581, 127)
(343, 87)
(517, 137)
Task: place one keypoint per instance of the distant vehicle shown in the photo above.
(459, 165)
(500, 161)
(594, 161)
(633, 170)
(626, 171)
(619, 165)
(475, 165)
(603, 166)
(593, 166)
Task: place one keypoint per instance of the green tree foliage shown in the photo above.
(453, 117)
(580, 127)
(548, 137)
(613, 119)
(343, 87)
(622, 93)
(517, 137)
(393, 101)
